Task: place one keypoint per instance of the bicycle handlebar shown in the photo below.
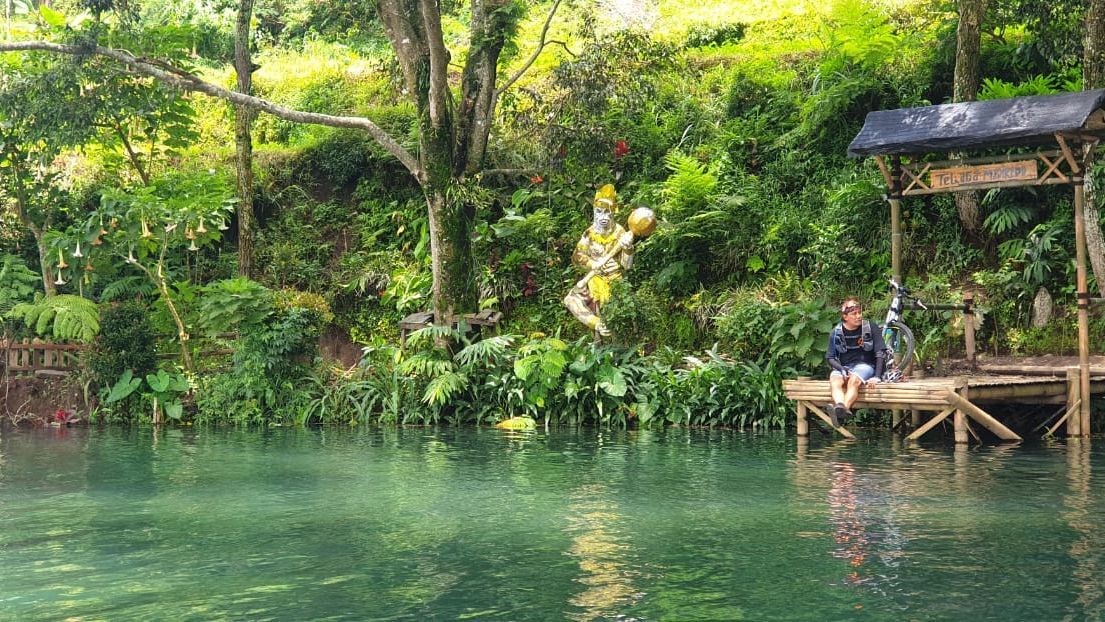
(904, 293)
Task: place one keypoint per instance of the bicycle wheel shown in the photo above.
(899, 341)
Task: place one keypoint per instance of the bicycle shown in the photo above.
(896, 335)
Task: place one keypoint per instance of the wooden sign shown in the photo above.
(1024, 170)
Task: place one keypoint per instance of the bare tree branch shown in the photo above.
(439, 62)
(188, 82)
(540, 46)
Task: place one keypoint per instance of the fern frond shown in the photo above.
(17, 282)
(443, 387)
(490, 348)
(65, 317)
(430, 335)
(127, 287)
(424, 365)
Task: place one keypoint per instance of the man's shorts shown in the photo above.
(863, 370)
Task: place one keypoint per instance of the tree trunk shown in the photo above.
(452, 136)
(968, 42)
(243, 120)
(1093, 77)
(21, 200)
(44, 262)
(451, 251)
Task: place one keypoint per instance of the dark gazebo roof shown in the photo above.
(976, 125)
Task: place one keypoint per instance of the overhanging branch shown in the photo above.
(533, 58)
(188, 82)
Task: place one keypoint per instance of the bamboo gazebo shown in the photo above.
(1045, 140)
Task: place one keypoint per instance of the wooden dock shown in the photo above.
(961, 397)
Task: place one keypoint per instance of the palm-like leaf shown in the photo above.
(65, 317)
(441, 388)
(490, 349)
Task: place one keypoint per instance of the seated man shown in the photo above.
(857, 355)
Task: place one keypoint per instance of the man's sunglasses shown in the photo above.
(851, 309)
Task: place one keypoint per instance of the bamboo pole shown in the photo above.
(803, 423)
(969, 329)
(982, 417)
(817, 411)
(1083, 304)
(930, 424)
(971, 430)
(960, 425)
(1066, 417)
(896, 239)
(1074, 392)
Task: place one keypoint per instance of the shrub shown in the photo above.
(126, 342)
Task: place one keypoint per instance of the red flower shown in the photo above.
(620, 149)
(536, 179)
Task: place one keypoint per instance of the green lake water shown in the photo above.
(480, 524)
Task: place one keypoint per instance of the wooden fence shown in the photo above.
(31, 355)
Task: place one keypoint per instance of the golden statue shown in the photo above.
(605, 251)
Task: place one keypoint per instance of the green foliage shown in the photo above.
(17, 282)
(165, 391)
(65, 317)
(1007, 217)
(123, 388)
(703, 35)
(539, 365)
(234, 304)
(128, 287)
(126, 343)
(689, 188)
(266, 383)
(713, 391)
(800, 335)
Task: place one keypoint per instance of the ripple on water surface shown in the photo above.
(123, 524)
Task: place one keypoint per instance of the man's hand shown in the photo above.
(873, 380)
(626, 240)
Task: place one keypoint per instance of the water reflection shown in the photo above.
(849, 527)
(1086, 549)
(602, 551)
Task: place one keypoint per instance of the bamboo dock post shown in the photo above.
(915, 418)
(961, 424)
(896, 234)
(981, 416)
(895, 419)
(1083, 307)
(803, 423)
(919, 432)
(960, 427)
(969, 328)
(1074, 390)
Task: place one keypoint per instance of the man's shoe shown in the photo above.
(831, 410)
(843, 413)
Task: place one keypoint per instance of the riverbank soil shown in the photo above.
(35, 401)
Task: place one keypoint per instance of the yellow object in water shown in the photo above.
(517, 423)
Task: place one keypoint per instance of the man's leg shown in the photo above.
(851, 394)
(836, 387)
(836, 390)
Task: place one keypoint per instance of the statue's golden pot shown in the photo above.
(642, 222)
